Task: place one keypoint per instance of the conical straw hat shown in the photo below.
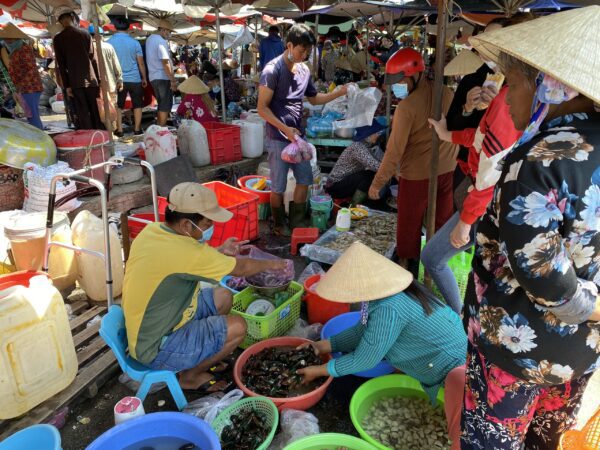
(465, 63)
(193, 85)
(565, 45)
(11, 31)
(361, 275)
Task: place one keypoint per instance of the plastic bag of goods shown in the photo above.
(160, 145)
(21, 143)
(298, 151)
(88, 233)
(294, 425)
(251, 136)
(193, 142)
(209, 407)
(37, 180)
(270, 278)
(362, 105)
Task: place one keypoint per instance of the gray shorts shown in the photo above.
(163, 94)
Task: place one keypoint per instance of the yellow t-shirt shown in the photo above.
(162, 280)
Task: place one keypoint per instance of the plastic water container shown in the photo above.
(37, 354)
(88, 233)
(128, 408)
(26, 234)
(252, 138)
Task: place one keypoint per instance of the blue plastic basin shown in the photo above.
(343, 322)
(157, 425)
(38, 437)
(223, 283)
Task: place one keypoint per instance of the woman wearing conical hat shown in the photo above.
(197, 104)
(400, 323)
(533, 310)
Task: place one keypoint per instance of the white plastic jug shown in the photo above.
(27, 236)
(252, 137)
(88, 233)
(193, 142)
(37, 354)
(253, 116)
(160, 145)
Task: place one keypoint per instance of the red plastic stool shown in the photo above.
(303, 236)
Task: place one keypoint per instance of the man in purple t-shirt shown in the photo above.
(284, 82)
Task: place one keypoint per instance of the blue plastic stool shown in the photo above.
(38, 437)
(112, 330)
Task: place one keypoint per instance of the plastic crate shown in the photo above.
(224, 143)
(243, 205)
(136, 227)
(272, 325)
(461, 268)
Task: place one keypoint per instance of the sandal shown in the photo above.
(212, 386)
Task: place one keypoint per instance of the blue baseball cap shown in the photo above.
(361, 133)
(91, 29)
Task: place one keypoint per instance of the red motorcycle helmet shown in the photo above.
(406, 62)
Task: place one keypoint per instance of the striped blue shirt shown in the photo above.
(398, 330)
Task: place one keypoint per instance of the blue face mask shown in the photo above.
(206, 234)
(216, 89)
(400, 90)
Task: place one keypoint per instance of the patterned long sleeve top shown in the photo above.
(537, 260)
(355, 158)
(398, 330)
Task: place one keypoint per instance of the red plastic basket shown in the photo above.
(136, 227)
(224, 142)
(243, 205)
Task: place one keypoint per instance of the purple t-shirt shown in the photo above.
(289, 90)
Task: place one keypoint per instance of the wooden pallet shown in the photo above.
(96, 362)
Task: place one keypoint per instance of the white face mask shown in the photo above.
(492, 65)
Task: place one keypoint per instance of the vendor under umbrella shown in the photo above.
(196, 104)
(355, 169)
(400, 322)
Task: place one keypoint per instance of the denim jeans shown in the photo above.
(435, 257)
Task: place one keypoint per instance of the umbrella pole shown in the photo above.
(442, 21)
(219, 44)
(102, 69)
(254, 54)
(316, 50)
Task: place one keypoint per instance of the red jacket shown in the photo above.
(488, 145)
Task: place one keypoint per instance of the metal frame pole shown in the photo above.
(316, 49)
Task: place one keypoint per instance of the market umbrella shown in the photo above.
(34, 10)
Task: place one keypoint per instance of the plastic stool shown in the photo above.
(303, 236)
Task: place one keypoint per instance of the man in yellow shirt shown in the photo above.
(171, 323)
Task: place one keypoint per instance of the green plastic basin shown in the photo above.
(329, 441)
(374, 390)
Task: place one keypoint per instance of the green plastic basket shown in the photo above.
(386, 386)
(274, 324)
(259, 404)
(330, 441)
(461, 268)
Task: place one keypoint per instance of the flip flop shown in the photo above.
(212, 386)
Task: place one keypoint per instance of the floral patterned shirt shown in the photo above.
(24, 72)
(356, 158)
(537, 261)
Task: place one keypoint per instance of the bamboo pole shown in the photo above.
(254, 54)
(442, 20)
(102, 69)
